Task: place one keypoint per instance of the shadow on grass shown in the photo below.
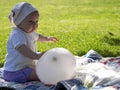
(104, 53)
(111, 40)
(108, 53)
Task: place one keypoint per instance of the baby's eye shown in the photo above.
(31, 22)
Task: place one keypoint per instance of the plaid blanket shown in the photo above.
(99, 75)
(92, 72)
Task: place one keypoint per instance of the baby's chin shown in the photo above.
(30, 31)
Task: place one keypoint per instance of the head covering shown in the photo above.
(20, 11)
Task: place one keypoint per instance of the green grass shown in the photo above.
(80, 25)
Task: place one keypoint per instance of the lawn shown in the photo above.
(80, 25)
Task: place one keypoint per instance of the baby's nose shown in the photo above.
(35, 26)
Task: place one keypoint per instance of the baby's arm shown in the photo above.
(47, 39)
(24, 50)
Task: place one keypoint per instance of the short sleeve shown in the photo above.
(35, 36)
(18, 39)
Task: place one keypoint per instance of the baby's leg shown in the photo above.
(33, 76)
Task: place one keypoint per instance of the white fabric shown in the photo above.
(14, 60)
(20, 11)
(96, 74)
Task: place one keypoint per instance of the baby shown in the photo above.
(21, 49)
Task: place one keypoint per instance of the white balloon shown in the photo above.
(55, 65)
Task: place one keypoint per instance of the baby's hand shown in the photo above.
(52, 39)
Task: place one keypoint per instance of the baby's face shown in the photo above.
(30, 23)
